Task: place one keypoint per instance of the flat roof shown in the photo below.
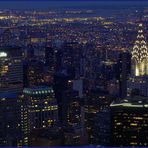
(136, 101)
(11, 51)
(38, 90)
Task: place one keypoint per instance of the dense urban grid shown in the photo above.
(71, 79)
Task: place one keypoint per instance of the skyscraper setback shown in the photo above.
(140, 54)
(139, 68)
(129, 116)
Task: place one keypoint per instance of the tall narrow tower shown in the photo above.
(138, 80)
(140, 55)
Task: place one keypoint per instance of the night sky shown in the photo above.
(76, 4)
(76, 0)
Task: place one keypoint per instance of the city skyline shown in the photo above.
(73, 73)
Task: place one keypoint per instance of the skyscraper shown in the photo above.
(140, 55)
(102, 128)
(10, 123)
(129, 116)
(39, 111)
(50, 58)
(129, 122)
(11, 85)
(11, 70)
(124, 65)
(139, 65)
(33, 73)
(97, 101)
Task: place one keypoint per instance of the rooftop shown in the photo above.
(12, 51)
(136, 101)
(38, 90)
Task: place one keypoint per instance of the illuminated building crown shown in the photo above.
(140, 54)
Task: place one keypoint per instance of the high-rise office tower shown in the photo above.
(76, 136)
(68, 98)
(129, 117)
(139, 65)
(71, 55)
(11, 70)
(129, 122)
(50, 58)
(63, 93)
(97, 101)
(75, 132)
(33, 73)
(10, 121)
(103, 128)
(124, 65)
(39, 110)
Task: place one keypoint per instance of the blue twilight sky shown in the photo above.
(78, 0)
(78, 4)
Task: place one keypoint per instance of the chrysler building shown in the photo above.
(140, 55)
(139, 65)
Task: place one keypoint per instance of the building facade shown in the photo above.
(11, 70)
(139, 65)
(129, 117)
(10, 120)
(40, 110)
(129, 122)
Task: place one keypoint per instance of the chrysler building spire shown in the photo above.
(140, 54)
